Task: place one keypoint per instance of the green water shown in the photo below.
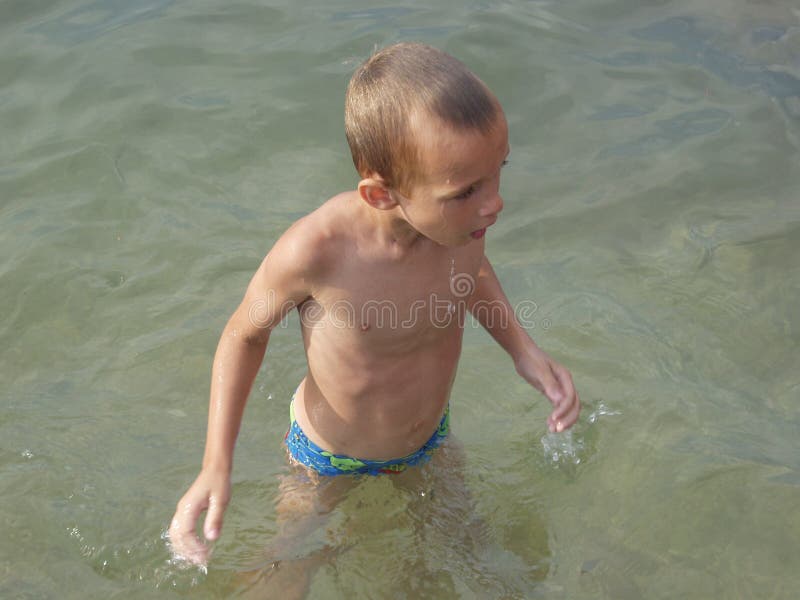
(152, 151)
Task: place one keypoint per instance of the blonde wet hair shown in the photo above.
(393, 86)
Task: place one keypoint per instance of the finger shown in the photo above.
(551, 386)
(564, 381)
(566, 415)
(563, 408)
(213, 523)
(570, 396)
(187, 513)
(185, 543)
(572, 416)
(552, 425)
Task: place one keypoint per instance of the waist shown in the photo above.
(380, 428)
(305, 452)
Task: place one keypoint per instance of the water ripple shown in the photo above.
(98, 18)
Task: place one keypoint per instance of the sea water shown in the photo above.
(152, 151)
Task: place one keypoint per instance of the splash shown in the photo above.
(567, 448)
(178, 572)
(562, 448)
(602, 411)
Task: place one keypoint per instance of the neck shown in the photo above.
(392, 230)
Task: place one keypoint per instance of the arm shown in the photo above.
(272, 293)
(531, 362)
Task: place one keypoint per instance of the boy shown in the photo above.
(428, 140)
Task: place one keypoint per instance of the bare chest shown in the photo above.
(395, 305)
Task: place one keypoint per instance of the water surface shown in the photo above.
(151, 153)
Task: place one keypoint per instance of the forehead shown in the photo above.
(449, 155)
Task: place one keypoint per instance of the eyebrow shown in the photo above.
(464, 189)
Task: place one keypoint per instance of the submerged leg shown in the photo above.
(444, 505)
(303, 507)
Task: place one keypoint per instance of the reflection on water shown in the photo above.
(152, 151)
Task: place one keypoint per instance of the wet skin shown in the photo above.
(372, 275)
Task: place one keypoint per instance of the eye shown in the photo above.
(466, 193)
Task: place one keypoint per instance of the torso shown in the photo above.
(382, 334)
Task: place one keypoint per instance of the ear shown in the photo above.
(373, 191)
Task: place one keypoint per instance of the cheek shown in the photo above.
(460, 212)
(444, 212)
(435, 217)
(448, 217)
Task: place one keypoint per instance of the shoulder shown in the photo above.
(311, 242)
(313, 245)
(295, 268)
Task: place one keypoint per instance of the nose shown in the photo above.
(492, 207)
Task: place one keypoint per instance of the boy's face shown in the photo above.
(456, 197)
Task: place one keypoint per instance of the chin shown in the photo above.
(461, 242)
(454, 242)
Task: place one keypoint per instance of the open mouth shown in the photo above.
(479, 233)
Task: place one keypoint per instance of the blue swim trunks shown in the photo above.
(307, 453)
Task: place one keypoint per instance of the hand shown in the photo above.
(210, 491)
(555, 382)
